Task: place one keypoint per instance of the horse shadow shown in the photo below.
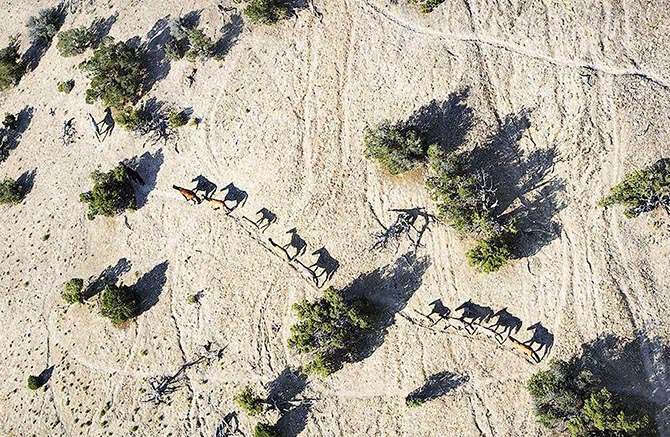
(205, 185)
(267, 218)
(326, 264)
(154, 52)
(477, 314)
(10, 138)
(297, 243)
(445, 123)
(542, 337)
(147, 167)
(387, 290)
(509, 323)
(26, 181)
(231, 33)
(100, 28)
(435, 386)
(150, 286)
(108, 276)
(229, 426)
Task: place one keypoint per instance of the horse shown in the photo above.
(541, 336)
(266, 215)
(94, 124)
(296, 242)
(326, 263)
(439, 309)
(216, 204)
(477, 313)
(189, 195)
(508, 322)
(524, 348)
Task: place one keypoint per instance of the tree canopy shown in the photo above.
(119, 303)
(397, 148)
(11, 67)
(10, 192)
(112, 193)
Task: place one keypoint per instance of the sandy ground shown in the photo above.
(282, 118)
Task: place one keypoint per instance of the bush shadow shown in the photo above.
(26, 181)
(153, 49)
(108, 276)
(231, 33)
(282, 394)
(150, 286)
(147, 166)
(45, 375)
(101, 27)
(10, 138)
(437, 385)
(33, 55)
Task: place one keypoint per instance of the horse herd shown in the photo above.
(474, 316)
(321, 271)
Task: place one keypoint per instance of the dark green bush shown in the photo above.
(200, 45)
(249, 401)
(266, 11)
(177, 119)
(328, 329)
(119, 303)
(112, 193)
(11, 122)
(34, 382)
(490, 254)
(11, 67)
(75, 41)
(10, 192)
(44, 26)
(396, 148)
(66, 87)
(117, 72)
(265, 430)
(130, 118)
(175, 49)
(642, 191)
(427, 5)
(73, 292)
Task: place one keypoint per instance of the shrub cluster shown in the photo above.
(266, 11)
(66, 86)
(427, 5)
(34, 382)
(44, 26)
(467, 201)
(189, 41)
(73, 291)
(75, 41)
(642, 191)
(177, 119)
(247, 400)
(119, 303)
(329, 329)
(112, 193)
(397, 148)
(117, 72)
(265, 430)
(11, 67)
(567, 394)
(10, 121)
(10, 192)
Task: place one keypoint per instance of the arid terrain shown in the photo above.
(575, 93)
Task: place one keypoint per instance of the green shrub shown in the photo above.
(11, 67)
(130, 118)
(119, 303)
(427, 5)
(75, 41)
(396, 148)
(266, 11)
(490, 254)
(249, 401)
(117, 72)
(177, 119)
(192, 299)
(11, 122)
(10, 192)
(175, 49)
(34, 382)
(200, 45)
(265, 430)
(73, 292)
(413, 402)
(44, 26)
(642, 191)
(66, 87)
(329, 328)
(112, 193)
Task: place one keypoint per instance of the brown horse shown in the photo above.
(529, 351)
(189, 195)
(217, 204)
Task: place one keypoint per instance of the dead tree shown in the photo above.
(404, 224)
(69, 132)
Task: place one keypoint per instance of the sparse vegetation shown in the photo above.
(249, 401)
(177, 119)
(427, 5)
(642, 191)
(192, 299)
(73, 291)
(34, 382)
(11, 67)
(10, 192)
(44, 26)
(66, 87)
(265, 430)
(567, 394)
(75, 41)
(119, 303)
(117, 72)
(397, 148)
(328, 329)
(112, 193)
(266, 11)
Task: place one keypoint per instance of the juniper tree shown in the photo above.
(11, 67)
(73, 291)
(44, 26)
(112, 193)
(75, 41)
(396, 148)
(119, 303)
(10, 192)
(266, 11)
